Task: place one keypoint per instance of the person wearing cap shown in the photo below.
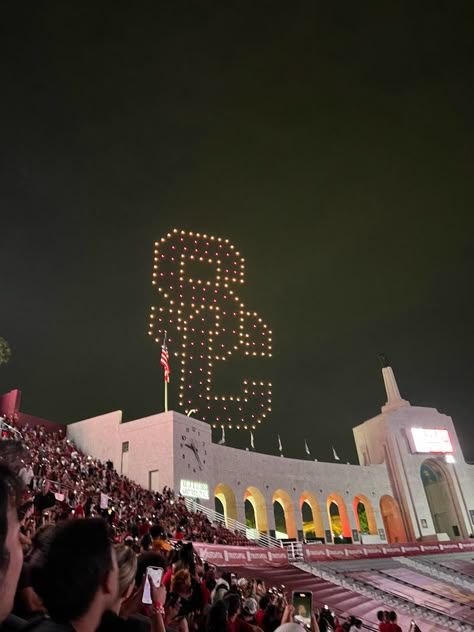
(249, 610)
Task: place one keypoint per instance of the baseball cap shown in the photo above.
(250, 606)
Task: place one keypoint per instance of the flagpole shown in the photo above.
(166, 396)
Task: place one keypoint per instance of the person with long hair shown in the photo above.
(11, 551)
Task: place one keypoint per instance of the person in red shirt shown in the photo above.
(234, 623)
(393, 625)
(383, 623)
(262, 606)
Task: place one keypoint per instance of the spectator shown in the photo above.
(262, 606)
(393, 625)
(383, 621)
(160, 543)
(77, 577)
(217, 617)
(27, 602)
(111, 621)
(234, 623)
(11, 552)
(146, 543)
(222, 586)
(147, 559)
(249, 610)
(181, 583)
(45, 499)
(174, 619)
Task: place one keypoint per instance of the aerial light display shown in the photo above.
(198, 280)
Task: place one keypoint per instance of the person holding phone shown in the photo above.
(150, 594)
(288, 623)
(111, 620)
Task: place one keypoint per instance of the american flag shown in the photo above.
(165, 359)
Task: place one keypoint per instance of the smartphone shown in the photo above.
(153, 574)
(303, 604)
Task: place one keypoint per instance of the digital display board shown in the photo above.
(194, 489)
(431, 440)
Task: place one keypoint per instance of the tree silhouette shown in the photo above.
(5, 351)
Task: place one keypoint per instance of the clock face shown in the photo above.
(192, 451)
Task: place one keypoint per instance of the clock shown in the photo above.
(191, 448)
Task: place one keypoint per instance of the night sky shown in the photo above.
(332, 143)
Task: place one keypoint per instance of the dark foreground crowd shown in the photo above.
(74, 574)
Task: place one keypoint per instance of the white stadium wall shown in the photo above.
(407, 495)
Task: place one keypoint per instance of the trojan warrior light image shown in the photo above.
(199, 281)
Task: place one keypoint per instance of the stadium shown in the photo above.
(392, 533)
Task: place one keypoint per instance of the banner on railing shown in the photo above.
(250, 556)
(322, 553)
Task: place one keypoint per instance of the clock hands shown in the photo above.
(192, 446)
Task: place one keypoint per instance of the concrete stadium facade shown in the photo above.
(412, 482)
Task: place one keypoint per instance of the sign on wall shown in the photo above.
(194, 489)
(430, 440)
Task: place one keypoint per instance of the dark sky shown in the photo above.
(332, 143)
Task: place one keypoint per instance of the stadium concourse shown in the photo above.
(437, 591)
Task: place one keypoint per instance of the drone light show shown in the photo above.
(198, 279)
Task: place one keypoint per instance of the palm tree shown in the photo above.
(5, 351)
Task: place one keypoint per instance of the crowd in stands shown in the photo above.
(68, 564)
(64, 482)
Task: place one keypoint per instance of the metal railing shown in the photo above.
(259, 537)
(433, 569)
(404, 603)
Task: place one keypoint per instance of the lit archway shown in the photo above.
(287, 524)
(364, 515)
(439, 494)
(218, 506)
(255, 497)
(224, 494)
(392, 520)
(313, 526)
(338, 517)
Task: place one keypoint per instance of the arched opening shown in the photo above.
(338, 519)
(311, 514)
(439, 493)
(285, 525)
(364, 515)
(218, 506)
(250, 517)
(392, 520)
(257, 501)
(224, 496)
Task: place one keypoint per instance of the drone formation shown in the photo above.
(197, 278)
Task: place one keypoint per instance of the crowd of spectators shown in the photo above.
(69, 564)
(64, 482)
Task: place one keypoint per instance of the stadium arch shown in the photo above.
(438, 488)
(284, 500)
(392, 519)
(364, 513)
(317, 523)
(256, 499)
(227, 499)
(338, 517)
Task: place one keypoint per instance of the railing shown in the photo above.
(401, 602)
(259, 537)
(294, 550)
(432, 568)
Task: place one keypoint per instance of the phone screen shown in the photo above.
(153, 574)
(303, 605)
